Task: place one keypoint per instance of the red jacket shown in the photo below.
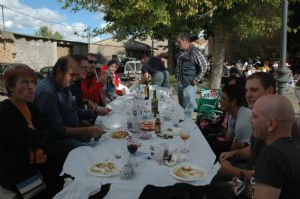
(91, 91)
(116, 79)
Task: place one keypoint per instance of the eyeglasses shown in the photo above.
(92, 62)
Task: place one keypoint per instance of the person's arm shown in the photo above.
(92, 131)
(202, 63)
(263, 191)
(238, 145)
(243, 153)
(229, 135)
(227, 168)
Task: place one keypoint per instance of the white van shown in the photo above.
(132, 68)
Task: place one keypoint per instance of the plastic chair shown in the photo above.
(207, 105)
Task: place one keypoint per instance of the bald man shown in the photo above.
(277, 170)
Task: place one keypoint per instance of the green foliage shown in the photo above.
(46, 32)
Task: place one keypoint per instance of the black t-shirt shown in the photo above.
(257, 145)
(278, 165)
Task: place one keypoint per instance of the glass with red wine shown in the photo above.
(132, 147)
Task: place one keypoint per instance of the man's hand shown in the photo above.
(103, 111)
(225, 166)
(91, 105)
(94, 131)
(226, 155)
(195, 82)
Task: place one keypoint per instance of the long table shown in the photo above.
(148, 170)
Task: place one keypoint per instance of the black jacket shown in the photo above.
(16, 139)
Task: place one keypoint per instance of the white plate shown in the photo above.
(104, 172)
(114, 120)
(197, 170)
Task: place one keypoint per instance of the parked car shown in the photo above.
(45, 70)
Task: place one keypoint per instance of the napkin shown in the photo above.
(79, 189)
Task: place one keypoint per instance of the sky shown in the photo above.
(49, 10)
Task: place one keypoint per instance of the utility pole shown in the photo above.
(283, 71)
(89, 37)
(3, 25)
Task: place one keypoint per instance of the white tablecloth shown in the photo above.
(148, 171)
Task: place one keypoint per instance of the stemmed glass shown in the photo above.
(132, 146)
(185, 135)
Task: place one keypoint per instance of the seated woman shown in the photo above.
(108, 91)
(21, 141)
(118, 87)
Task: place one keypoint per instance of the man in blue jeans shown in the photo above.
(191, 67)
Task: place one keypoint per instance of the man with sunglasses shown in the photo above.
(91, 84)
(92, 109)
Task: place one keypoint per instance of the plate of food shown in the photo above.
(104, 169)
(118, 134)
(188, 172)
(147, 125)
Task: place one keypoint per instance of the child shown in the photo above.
(108, 92)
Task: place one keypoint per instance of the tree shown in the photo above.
(164, 19)
(46, 32)
(140, 18)
(244, 19)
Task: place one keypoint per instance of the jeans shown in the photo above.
(186, 98)
(161, 78)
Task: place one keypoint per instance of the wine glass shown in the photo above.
(185, 135)
(132, 146)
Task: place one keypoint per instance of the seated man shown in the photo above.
(239, 128)
(87, 115)
(92, 83)
(277, 170)
(54, 100)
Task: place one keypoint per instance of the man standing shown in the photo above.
(277, 170)
(191, 67)
(54, 100)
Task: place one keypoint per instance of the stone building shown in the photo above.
(37, 52)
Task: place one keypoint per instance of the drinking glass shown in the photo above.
(185, 135)
(132, 146)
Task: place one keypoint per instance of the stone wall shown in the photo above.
(6, 52)
(35, 53)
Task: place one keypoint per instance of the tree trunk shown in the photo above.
(218, 58)
(171, 56)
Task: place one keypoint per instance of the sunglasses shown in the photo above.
(92, 62)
